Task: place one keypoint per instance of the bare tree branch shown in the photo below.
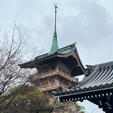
(11, 52)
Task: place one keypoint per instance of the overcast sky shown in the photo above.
(87, 22)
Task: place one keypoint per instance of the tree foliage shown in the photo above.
(28, 100)
(31, 100)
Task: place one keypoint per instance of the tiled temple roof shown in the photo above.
(98, 77)
(101, 75)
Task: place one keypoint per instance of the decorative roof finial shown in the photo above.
(54, 46)
(55, 15)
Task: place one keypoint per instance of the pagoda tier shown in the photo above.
(51, 83)
(52, 80)
(67, 57)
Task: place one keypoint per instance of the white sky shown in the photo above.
(87, 22)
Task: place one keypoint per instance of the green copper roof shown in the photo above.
(61, 51)
(54, 47)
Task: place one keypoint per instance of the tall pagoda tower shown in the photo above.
(57, 69)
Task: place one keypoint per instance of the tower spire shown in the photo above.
(54, 46)
(55, 16)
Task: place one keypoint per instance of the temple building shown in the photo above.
(96, 87)
(57, 69)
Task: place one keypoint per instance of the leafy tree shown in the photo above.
(31, 100)
(28, 100)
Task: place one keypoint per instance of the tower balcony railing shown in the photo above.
(52, 87)
(51, 73)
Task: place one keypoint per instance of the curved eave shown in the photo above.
(79, 91)
(44, 57)
(33, 63)
(79, 61)
(29, 64)
(78, 66)
(65, 52)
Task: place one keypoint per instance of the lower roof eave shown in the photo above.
(82, 92)
(86, 95)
